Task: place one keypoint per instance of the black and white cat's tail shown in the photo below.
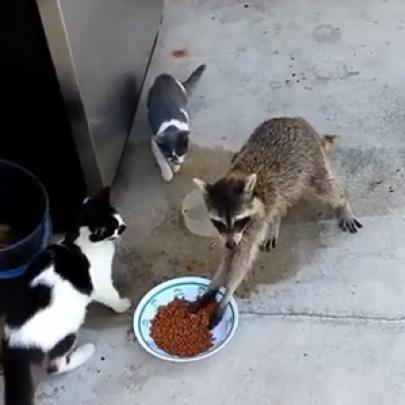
(190, 83)
(18, 385)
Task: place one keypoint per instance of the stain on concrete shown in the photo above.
(334, 70)
(180, 53)
(157, 246)
(327, 34)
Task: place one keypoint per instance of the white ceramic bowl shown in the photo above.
(188, 288)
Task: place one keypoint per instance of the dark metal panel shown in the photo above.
(101, 50)
(34, 127)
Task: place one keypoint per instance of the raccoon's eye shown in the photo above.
(219, 225)
(241, 223)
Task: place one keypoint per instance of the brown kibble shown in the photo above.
(180, 332)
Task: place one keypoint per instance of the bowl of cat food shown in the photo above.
(166, 326)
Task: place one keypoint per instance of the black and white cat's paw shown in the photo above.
(73, 360)
(122, 306)
(167, 174)
(176, 168)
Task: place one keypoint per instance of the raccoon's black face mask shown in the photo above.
(230, 204)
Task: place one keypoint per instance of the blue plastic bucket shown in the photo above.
(24, 208)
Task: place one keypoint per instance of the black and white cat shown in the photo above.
(169, 120)
(59, 285)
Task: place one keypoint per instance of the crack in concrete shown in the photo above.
(335, 317)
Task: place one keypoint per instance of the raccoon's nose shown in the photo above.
(121, 229)
(230, 244)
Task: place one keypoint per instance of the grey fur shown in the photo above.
(192, 80)
(169, 120)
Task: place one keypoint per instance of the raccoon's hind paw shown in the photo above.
(349, 223)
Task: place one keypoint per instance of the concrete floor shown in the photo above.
(323, 317)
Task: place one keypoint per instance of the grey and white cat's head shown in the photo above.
(173, 143)
(231, 205)
(98, 220)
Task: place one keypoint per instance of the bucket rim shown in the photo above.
(46, 212)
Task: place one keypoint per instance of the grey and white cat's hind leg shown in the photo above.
(65, 357)
(165, 169)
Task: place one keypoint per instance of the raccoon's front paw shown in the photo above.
(349, 223)
(203, 301)
(217, 316)
(270, 242)
(122, 306)
(268, 245)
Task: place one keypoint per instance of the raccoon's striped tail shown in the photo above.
(328, 143)
(18, 386)
(190, 83)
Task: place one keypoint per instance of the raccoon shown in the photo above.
(282, 159)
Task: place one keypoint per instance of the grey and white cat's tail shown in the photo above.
(192, 80)
(18, 386)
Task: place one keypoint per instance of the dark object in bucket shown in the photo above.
(24, 226)
(6, 236)
(180, 332)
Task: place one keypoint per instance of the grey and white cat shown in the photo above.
(57, 288)
(169, 120)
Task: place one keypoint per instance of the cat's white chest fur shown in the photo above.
(100, 256)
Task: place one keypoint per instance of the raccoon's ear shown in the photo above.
(201, 184)
(250, 183)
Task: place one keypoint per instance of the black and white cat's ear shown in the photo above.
(204, 186)
(103, 196)
(158, 138)
(250, 183)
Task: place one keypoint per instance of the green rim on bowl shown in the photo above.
(200, 285)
